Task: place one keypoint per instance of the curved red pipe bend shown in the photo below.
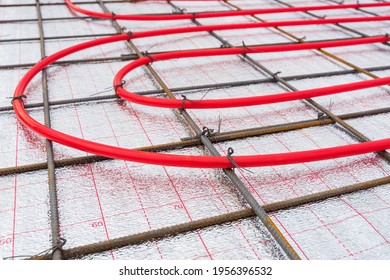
(168, 159)
(245, 101)
(219, 27)
(222, 13)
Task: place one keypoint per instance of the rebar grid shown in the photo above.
(51, 164)
(54, 217)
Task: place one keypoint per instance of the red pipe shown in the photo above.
(222, 13)
(169, 159)
(245, 101)
(219, 27)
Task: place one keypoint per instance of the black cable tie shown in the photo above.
(219, 124)
(193, 16)
(207, 131)
(225, 45)
(321, 116)
(387, 36)
(150, 57)
(303, 38)
(274, 75)
(20, 97)
(48, 252)
(130, 34)
(115, 87)
(60, 244)
(113, 16)
(179, 11)
(358, 4)
(119, 85)
(183, 103)
(147, 54)
(323, 17)
(244, 47)
(229, 156)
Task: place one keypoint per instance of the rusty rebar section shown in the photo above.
(53, 200)
(49, 19)
(188, 88)
(171, 231)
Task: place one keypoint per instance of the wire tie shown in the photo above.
(330, 105)
(323, 17)
(60, 244)
(321, 116)
(150, 57)
(113, 16)
(244, 47)
(219, 124)
(178, 11)
(387, 36)
(110, 88)
(193, 16)
(119, 85)
(303, 38)
(274, 75)
(147, 54)
(204, 95)
(207, 131)
(19, 97)
(183, 103)
(229, 156)
(225, 45)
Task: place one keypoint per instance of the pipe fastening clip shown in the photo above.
(20, 97)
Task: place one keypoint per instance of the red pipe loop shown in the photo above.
(169, 159)
(245, 101)
(191, 16)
